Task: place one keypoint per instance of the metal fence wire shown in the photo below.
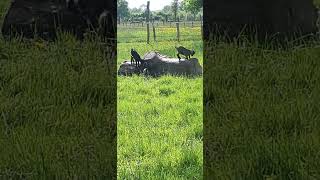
(159, 31)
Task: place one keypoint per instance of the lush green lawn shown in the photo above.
(57, 109)
(262, 112)
(160, 128)
(163, 34)
(160, 120)
(262, 119)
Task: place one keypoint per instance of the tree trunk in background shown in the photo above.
(287, 18)
(42, 18)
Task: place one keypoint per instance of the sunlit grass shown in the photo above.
(262, 112)
(57, 110)
(159, 119)
(163, 34)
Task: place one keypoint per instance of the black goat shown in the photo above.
(135, 57)
(184, 51)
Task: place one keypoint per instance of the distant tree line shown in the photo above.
(185, 10)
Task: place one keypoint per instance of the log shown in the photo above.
(35, 18)
(283, 18)
(157, 65)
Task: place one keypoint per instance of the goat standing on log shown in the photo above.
(135, 57)
(184, 51)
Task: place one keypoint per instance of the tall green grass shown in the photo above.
(159, 119)
(163, 34)
(57, 110)
(159, 128)
(261, 116)
(261, 112)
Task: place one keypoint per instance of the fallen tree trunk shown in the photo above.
(157, 65)
(258, 18)
(35, 18)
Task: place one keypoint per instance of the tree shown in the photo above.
(164, 12)
(175, 7)
(166, 9)
(135, 11)
(193, 6)
(122, 9)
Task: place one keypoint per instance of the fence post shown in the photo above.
(148, 33)
(148, 20)
(178, 32)
(192, 24)
(154, 33)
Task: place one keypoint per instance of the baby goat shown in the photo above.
(136, 57)
(184, 51)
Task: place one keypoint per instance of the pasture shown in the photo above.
(160, 127)
(261, 116)
(57, 110)
(262, 112)
(163, 33)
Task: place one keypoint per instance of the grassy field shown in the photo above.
(57, 110)
(261, 116)
(159, 120)
(163, 34)
(262, 112)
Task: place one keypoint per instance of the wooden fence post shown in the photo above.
(148, 30)
(154, 33)
(178, 32)
(148, 33)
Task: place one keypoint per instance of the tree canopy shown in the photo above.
(122, 8)
(194, 6)
(187, 9)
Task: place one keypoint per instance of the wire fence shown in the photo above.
(160, 24)
(159, 32)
